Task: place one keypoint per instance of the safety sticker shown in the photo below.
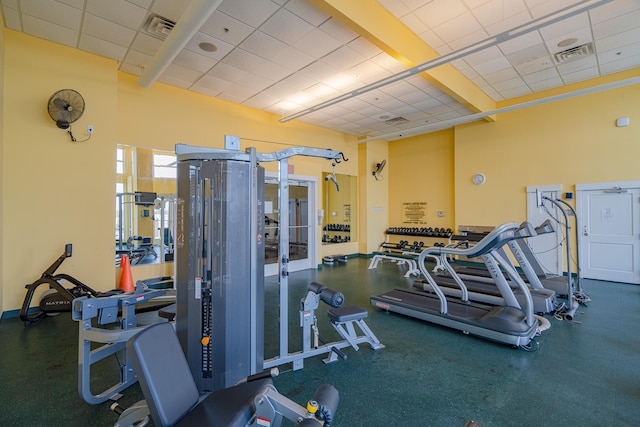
(263, 422)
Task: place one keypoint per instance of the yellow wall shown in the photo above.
(566, 142)
(56, 192)
(374, 196)
(421, 170)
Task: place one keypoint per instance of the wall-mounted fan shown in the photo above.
(377, 171)
(65, 107)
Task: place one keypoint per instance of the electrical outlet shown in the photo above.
(89, 129)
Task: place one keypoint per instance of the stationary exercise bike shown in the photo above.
(57, 298)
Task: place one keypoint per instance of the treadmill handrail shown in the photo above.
(490, 241)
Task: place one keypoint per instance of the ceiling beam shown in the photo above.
(376, 24)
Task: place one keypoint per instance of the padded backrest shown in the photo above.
(163, 373)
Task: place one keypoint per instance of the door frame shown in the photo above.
(602, 186)
(312, 195)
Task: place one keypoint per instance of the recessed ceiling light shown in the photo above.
(208, 47)
(567, 42)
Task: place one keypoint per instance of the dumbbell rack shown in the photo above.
(341, 233)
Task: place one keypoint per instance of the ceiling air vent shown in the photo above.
(158, 26)
(396, 121)
(574, 53)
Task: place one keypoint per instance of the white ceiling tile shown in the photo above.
(142, 3)
(459, 27)
(548, 74)
(620, 65)
(388, 63)
(231, 98)
(227, 72)
(530, 53)
(613, 9)
(617, 41)
(78, 4)
(619, 53)
(252, 13)
(195, 61)
(102, 47)
(243, 60)
(213, 83)
(286, 27)
(306, 11)
(261, 101)
(396, 8)
(521, 43)
(49, 31)
(578, 64)
(13, 4)
(170, 9)
(181, 73)
(225, 28)
(240, 92)
(508, 24)
(617, 25)
(273, 70)
(172, 81)
(468, 40)
(337, 31)
(292, 58)
(438, 12)
(364, 47)
(414, 23)
(131, 69)
(317, 43)
(52, 11)
(584, 74)
(483, 56)
(503, 75)
(120, 11)
(107, 30)
(510, 84)
(543, 8)
(534, 65)
(494, 12)
(137, 60)
(343, 58)
(577, 26)
(222, 48)
(11, 18)
(492, 66)
(146, 44)
(255, 82)
(262, 45)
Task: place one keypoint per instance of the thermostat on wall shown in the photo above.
(479, 179)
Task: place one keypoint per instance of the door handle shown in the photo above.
(585, 232)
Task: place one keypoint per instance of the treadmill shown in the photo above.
(506, 324)
(496, 290)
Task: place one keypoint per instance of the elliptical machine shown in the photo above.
(57, 298)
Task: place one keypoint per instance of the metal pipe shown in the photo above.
(190, 22)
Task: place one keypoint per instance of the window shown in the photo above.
(119, 161)
(164, 166)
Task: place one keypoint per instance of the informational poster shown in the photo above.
(347, 213)
(414, 212)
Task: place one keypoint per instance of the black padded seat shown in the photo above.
(169, 388)
(347, 314)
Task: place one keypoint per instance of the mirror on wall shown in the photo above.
(145, 205)
(339, 205)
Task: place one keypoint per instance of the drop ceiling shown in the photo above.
(322, 60)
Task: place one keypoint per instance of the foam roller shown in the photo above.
(333, 298)
(327, 397)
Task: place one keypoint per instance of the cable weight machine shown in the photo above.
(220, 260)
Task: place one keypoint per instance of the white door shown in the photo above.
(609, 226)
(302, 252)
(546, 247)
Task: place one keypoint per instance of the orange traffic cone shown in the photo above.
(126, 279)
